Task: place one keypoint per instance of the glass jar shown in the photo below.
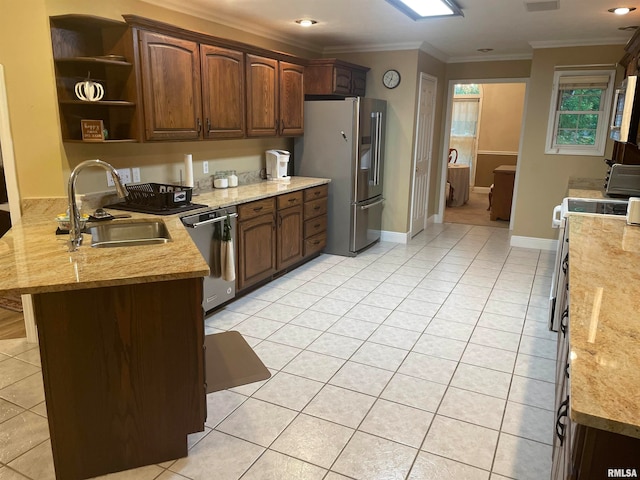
(220, 180)
(232, 178)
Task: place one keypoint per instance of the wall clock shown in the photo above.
(391, 78)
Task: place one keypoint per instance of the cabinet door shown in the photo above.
(341, 80)
(222, 92)
(262, 96)
(289, 236)
(256, 250)
(170, 69)
(358, 82)
(291, 99)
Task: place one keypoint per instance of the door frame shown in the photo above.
(13, 192)
(8, 158)
(418, 132)
(439, 218)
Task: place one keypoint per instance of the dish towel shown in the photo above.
(226, 253)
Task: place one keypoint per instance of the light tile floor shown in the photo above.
(430, 360)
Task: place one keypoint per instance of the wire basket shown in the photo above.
(158, 196)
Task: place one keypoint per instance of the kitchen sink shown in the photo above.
(127, 234)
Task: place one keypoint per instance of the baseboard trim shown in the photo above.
(533, 242)
(481, 189)
(394, 237)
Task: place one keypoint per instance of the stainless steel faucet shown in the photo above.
(75, 235)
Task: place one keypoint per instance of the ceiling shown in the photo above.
(507, 26)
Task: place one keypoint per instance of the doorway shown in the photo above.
(483, 132)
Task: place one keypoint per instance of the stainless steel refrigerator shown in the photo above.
(344, 141)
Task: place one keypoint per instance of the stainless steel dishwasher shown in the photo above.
(207, 230)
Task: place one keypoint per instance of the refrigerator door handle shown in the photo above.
(377, 147)
(369, 205)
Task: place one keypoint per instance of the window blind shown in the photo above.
(583, 81)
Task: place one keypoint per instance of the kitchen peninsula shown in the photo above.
(598, 366)
(121, 336)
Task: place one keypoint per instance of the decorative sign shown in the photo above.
(92, 130)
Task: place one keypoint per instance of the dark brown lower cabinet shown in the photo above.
(280, 232)
(256, 242)
(289, 246)
(123, 371)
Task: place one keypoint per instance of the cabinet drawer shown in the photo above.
(289, 200)
(253, 209)
(314, 226)
(315, 192)
(315, 208)
(315, 244)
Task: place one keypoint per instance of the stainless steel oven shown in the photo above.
(207, 230)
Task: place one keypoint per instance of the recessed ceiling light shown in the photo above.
(419, 9)
(306, 22)
(630, 28)
(485, 50)
(621, 10)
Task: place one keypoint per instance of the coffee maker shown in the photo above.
(278, 165)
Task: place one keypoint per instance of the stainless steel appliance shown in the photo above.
(205, 230)
(623, 180)
(344, 141)
(625, 118)
(573, 206)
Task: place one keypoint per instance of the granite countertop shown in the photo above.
(604, 278)
(35, 260)
(586, 188)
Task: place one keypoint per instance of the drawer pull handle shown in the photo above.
(291, 200)
(317, 225)
(316, 242)
(257, 209)
(563, 322)
(317, 207)
(561, 427)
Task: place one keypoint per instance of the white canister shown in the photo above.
(633, 211)
(233, 179)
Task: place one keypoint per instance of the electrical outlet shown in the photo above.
(205, 167)
(125, 177)
(135, 172)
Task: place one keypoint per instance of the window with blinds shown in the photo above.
(580, 108)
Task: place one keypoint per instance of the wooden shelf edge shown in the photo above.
(101, 103)
(124, 140)
(105, 61)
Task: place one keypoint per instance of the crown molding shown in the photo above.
(491, 58)
(372, 47)
(248, 27)
(578, 43)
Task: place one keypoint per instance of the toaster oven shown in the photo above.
(623, 180)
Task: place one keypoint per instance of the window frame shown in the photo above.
(603, 122)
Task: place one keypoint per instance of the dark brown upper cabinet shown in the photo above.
(275, 97)
(223, 89)
(330, 76)
(170, 71)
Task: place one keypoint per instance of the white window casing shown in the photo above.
(585, 79)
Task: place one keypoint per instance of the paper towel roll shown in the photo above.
(188, 170)
(633, 211)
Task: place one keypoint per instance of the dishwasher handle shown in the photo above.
(210, 221)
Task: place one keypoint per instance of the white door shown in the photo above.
(422, 155)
